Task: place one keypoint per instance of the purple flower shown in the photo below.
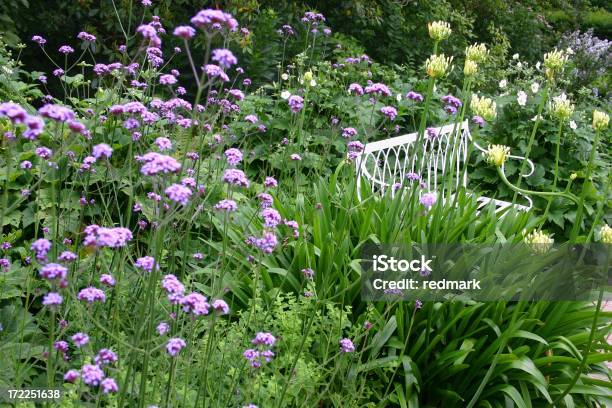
(91, 295)
(41, 247)
(91, 374)
(167, 79)
(163, 143)
(233, 156)
(308, 273)
(52, 299)
(251, 118)
(271, 217)
(414, 96)
(215, 71)
(210, 19)
(39, 40)
(109, 385)
(226, 205)
(266, 243)
(80, 339)
(296, 157)
(155, 163)
(173, 287)
(175, 345)
(389, 111)
(346, 346)
(265, 200)
(450, 109)
(56, 112)
(418, 304)
(162, 328)
(61, 346)
(296, 103)
(106, 237)
(53, 271)
(264, 338)
(185, 32)
(105, 356)
(44, 152)
(478, 120)
(432, 133)
(195, 303)
(412, 176)
(178, 193)
(146, 263)
(102, 151)
(86, 36)
(107, 279)
(66, 49)
(5, 264)
(220, 306)
(378, 89)
(270, 182)
(428, 199)
(224, 57)
(71, 376)
(451, 100)
(349, 132)
(235, 177)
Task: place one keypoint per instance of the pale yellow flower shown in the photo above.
(600, 120)
(439, 30)
(562, 108)
(539, 242)
(470, 68)
(496, 154)
(606, 234)
(476, 52)
(438, 66)
(483, 107)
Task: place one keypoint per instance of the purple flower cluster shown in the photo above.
(178, 193)
(224, 57)
(235, 177)
(226, 205)
(173, 288)
(349, 132)
(53, 271)
(264, 342)
(106, 237)
(91, 295)
(214, 20)
(378, 89)
(271, 217)
(146, 263)
(355, 89)
(414, 96)
(195, 303)
(175, 345)
(233, 156)
(18, 116)
(296, 103)
(41, 247)
(155, 163)
(389, 111)
(346, 346)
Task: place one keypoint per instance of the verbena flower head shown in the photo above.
(210, 19)
(108, 385)
(414, 96)
(220, 306)
(539, 242)
(271, 217)
(155, 163)
(428, 199)
(270, 182)
(439, 30)
(107, 237)
(195, 303)
(107, 279)
(162, 328)
(80, 339)
(52, 299)
(66, 49)
(349, 132)
(178, 193)
(378, 89)
(264, 338)
(296, 103)
(91, 295)
(438, 66)
(484, 107)
(41, 247)
(476, 53)
(86, 36)
(346, 346)
(56, 112)
(102, 151)
(92, 375)
(39, 40)
(235, 177)
(355, 89)
(71, 376)
(496, 154)
(389, 111)
(226, 205)
(233, 156)
(600, 120)
(175, 345)
(554, 62)
(215, 71)
(146, 263)
(224, 57)
(185, 32)
(173, 287)
(53, 271)
(167, 79)
(106, 356)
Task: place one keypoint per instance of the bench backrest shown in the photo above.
(387, 162)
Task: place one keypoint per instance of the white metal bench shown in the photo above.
(386, 162)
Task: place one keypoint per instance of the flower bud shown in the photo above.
(600, 120)
(438, 66)
(496, 154)
(470, 68)
(308, 76)
(476, 52)
(539, 242)
(606, 234)
(439, 30)
(562, 107)
(554, 62)
(483, 107)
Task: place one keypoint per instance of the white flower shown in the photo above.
(569, 51)
(535, 87)
(398, 97)
(521, 98)
(519, 64)
(285, 77)
(536, 117)
(573, 125)
(313, 82)
(503, 83)
(538, 65)
(285, 94)
(515, 56)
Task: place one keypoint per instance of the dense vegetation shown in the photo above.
(181, 224)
